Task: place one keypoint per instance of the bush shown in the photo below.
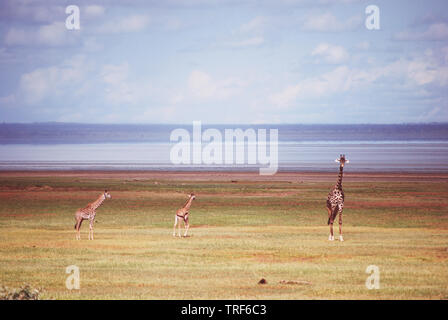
(24, 293)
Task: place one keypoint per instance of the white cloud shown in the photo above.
(409, 75)
(419, 72)
(90, 44)
(121, 88)
(202, 86)
(249, 34)
(331, 53)
(437, 113)
(327, 22)
(31, 11)
(93, 11)
(80, 81)
(435, 32)
(243, 43)
(172, 23)
(337, 80)
(115, 74)
(422, 70)
(53, 81)
(314, 2)
(426, 70)
(118, 88)
(55, 34)
(133, 23)
(364, 45)
(255, 25)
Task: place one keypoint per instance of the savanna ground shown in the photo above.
(244, 227)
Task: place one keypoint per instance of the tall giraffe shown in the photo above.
(88, 213)
(335, 200)
(183, 214)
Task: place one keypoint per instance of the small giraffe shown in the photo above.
(183, 214)
(88, 213)
(335, 200)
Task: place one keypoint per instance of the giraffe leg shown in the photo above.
(78, 229)
(91, 230)
(331, 220)
(77, 235)
(78, 221)
(187, 225)
(175, 225)
(340, 224)
(178, 230)
(329, 212)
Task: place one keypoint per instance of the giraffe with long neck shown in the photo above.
(89, 213)
(183, 214)
(335, 200)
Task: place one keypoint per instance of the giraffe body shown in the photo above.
(335, 201)
(182, 215)
(89, 213)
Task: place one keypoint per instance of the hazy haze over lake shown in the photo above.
(59, 146)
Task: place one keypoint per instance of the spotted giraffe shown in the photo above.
(183, 213)
(335, 200)
(88, 213)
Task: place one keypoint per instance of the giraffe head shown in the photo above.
(192, 196)
(107, 195)
(342, 160)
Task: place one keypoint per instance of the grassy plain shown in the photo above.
(243, 228)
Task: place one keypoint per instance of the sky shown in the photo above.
(224, 62)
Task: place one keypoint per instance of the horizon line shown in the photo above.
(222, 124)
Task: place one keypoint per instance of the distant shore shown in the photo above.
(233, 176)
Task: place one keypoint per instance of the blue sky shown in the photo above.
(287, 61)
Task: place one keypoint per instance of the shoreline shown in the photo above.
(232, 176)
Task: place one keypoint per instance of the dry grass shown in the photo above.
(241, 232)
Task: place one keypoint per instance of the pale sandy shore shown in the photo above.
(234, 176)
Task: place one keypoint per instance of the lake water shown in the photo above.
(301, 148)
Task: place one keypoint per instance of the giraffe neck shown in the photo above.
(188, 203)
(339, 182)
(98, 202)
